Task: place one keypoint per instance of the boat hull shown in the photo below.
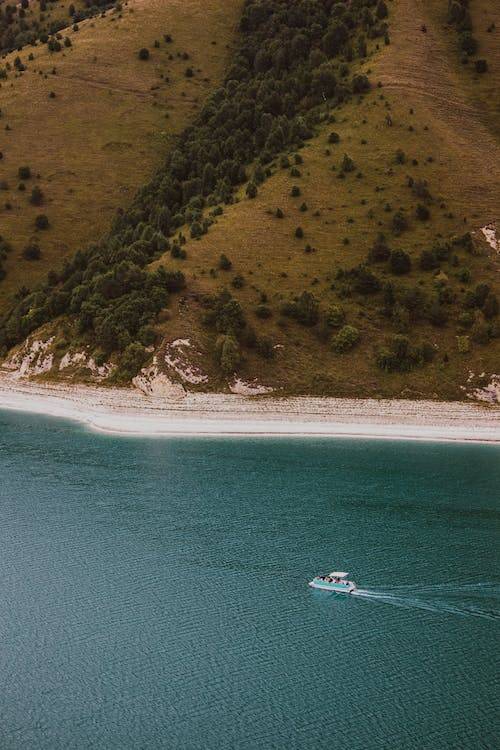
(335, 588)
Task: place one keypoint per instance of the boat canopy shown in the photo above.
(338, 575)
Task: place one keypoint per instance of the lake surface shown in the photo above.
(153, 592)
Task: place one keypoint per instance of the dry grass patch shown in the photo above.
(112, 120)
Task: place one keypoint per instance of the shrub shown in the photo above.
(468, 43)
(251, 190)
(295, 192)
(360, 83)
(36, 197)
(480, 333)
(346, 339)
(304, 309)
(380, 251)
(399, 223)
(399, 355)
(437, 314)
(333, 137)
(481, 66)
(32, 252)
(224, 263)
(335, 316)
(299, 233)
(228, 353)
(428, 260)
(400, 262)
(422, 212)
(463, 344)
(131, 361)
(143, 54)
(490, 306)
(41, 221)
(279, 213)
(24, 173)
(400, 156)
(348, 164)
(265, 347)
(263, 312)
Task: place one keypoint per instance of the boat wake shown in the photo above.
(465, 600)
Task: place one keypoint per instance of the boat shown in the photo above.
(336, 582)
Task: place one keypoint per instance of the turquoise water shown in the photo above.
(153, 592)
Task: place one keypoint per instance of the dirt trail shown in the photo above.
(417, 67)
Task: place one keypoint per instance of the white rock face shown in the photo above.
(82, 359)
(74, 359)
(242, 388)
(154, 383)
(490, 393)
(33, 358)
(179, 359)
(490, 235)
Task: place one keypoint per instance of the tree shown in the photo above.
(379, 251)
(490, 306)
(36, 198)
(42, 221)
(143, 54)
(224, 263)
(24, 173)
(228, 353)
(400, 262)
(32, 252)
(336, 36)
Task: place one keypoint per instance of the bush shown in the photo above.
(428, 260)
(422, 212)
(335, 316)
(24, 173)
(32, 252)
(42, 221)
(399, 223)
(299, 233)
(36, 197)
(346, 339)
(481, 66)
(251, 190)
(463, 344)
(263, 312)
(333, 137)
(224, 263)
(295, 192)
(265, 347)
(143, 54)
(399, 355)
(228, 353)
(131, 361)
(490, 306)
(380, 251)
(348, 164)
(400, 262)
(304, 309)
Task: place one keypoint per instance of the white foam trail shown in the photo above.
(408, 600)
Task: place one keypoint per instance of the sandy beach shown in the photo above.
(130, 412)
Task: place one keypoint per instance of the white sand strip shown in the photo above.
(129, 412)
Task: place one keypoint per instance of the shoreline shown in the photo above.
(129, 412)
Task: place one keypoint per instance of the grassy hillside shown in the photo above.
(337, 249)
(109, 124)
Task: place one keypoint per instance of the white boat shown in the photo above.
(336, 582)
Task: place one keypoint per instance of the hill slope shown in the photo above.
(353, 261)
(109, 125)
